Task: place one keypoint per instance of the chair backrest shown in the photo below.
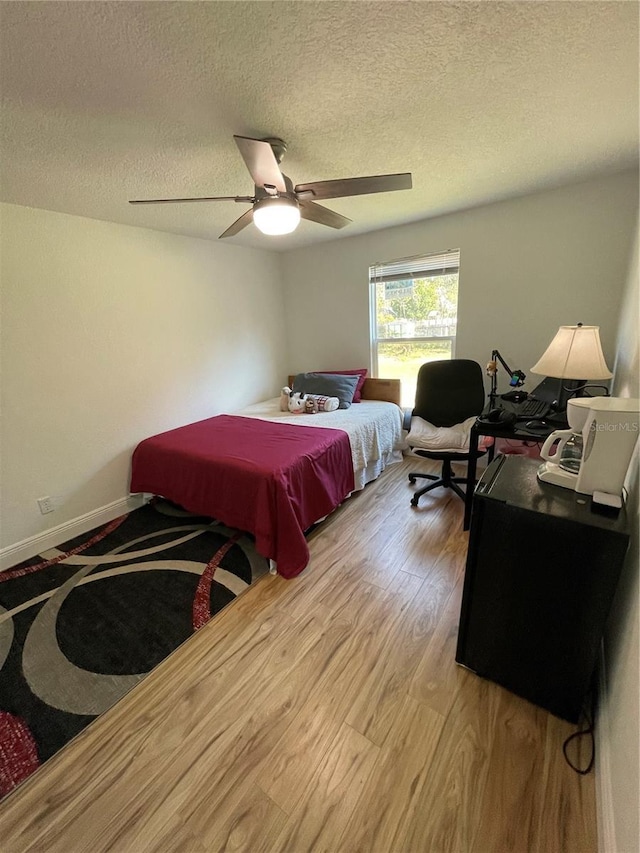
(448, 392)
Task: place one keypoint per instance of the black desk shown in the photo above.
(517, 433)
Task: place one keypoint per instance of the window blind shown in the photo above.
(420, 266)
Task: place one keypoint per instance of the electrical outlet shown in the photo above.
(46, 505)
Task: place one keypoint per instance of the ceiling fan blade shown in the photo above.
(245, 198)
(239, 224)
(261, 162)
(318, 213)
(354, 186)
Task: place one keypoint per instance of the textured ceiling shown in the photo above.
(103, 102)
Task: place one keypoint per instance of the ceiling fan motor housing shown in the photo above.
(270, 191)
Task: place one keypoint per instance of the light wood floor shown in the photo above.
(324, 713)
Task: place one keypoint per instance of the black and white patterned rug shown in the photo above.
(82, 624)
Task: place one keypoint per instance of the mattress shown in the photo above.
(374, 429)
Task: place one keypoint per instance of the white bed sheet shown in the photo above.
(374, 429)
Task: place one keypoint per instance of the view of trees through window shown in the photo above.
(415, 321)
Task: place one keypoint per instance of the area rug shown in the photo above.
(83, 623)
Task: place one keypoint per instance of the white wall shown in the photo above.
(528, 265)
(111, 334)
(621, 739)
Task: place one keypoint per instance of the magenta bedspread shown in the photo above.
(272, 480)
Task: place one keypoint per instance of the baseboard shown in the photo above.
(28, 548)
(604, 792)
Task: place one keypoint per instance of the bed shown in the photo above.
(272, 473)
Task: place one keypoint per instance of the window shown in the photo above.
(414, 308)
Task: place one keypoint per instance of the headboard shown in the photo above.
(387, 390)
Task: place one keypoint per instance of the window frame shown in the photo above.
(374, 340)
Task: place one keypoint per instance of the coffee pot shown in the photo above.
(568, 453)
(594, 454)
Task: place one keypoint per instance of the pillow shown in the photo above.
(328, 385)
(362, 375)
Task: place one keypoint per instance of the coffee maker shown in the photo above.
(594, 455)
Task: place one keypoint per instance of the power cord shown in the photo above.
(588, 731)
(588, 385)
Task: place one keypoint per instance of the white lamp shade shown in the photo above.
(574, 353)
(276, 215)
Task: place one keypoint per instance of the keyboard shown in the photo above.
(532, 409)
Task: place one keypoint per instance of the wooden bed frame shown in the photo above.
(387, 390)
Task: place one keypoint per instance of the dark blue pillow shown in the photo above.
(329, 384)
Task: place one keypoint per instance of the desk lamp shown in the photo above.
(575, 352)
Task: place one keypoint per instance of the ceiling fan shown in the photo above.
(278, 206)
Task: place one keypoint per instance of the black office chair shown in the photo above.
(447, 393)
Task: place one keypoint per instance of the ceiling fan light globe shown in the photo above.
(274, 216)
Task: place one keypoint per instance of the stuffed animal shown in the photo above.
(324, 404)
(297, 402)
(284, 398)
